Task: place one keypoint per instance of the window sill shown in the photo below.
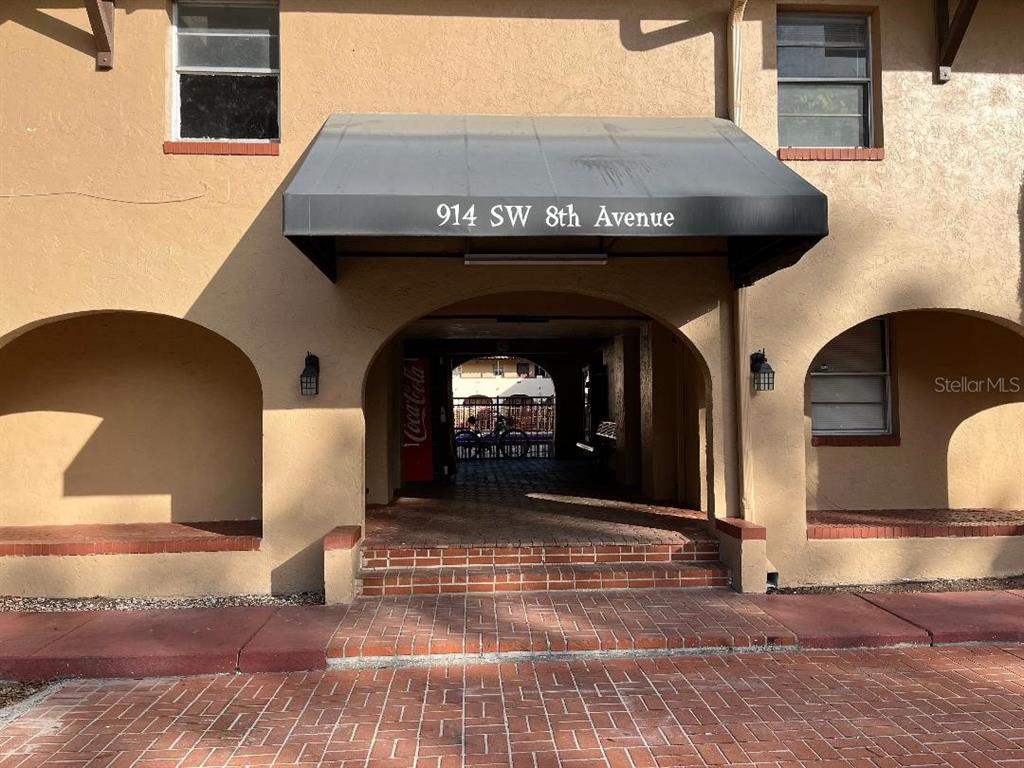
(841, 441)
(831, 153)
(243, 148)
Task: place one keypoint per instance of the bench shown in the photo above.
(603, 443)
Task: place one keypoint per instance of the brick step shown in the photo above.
(375, 557)
(541, 578)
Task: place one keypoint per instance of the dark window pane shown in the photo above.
(866, 418)
(848, 389)
(823, 62)
(860, 349)
(229, 107)
(228, 17)
(822, 99)
(808, 29)
(801, 131)
(228, 51)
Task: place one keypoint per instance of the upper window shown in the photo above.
(226, 70)
(851, 383)
(825, 88)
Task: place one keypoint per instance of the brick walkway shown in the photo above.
(528, 502)
(955, 707)
(560, 622)
(913, 523)
(40, 646)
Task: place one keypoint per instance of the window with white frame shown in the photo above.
(851, 383)
(226, 70)
(825, 88)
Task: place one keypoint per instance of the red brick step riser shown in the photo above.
(462, 582)
(374, 559)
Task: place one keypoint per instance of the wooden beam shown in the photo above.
(101, 17)
(951, 33)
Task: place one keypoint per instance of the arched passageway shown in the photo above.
(629, 443)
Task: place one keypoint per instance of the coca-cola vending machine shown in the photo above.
(417, 437)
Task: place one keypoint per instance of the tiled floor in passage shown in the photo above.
(956, 707)
(509, 502)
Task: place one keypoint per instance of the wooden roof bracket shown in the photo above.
(951, 34)
(101, 17)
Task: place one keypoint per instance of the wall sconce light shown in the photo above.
(762, 375)
(309, 379)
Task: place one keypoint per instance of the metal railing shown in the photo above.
(535, 416)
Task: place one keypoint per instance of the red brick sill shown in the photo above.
(819, 532)
(832, 153)
(243, 148)
(129, 539)
(343, 537)
(854, 441)
(744, 530)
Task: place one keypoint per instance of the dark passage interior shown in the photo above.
(576, 421)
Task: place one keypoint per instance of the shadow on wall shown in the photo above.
(650, 24)
(127, 417)
(959, 407)
(991, 45)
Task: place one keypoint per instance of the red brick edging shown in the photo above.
(129, 539)
(744, 530)
(831, 153)
(343, 537)
(243, 148)
(913, 531)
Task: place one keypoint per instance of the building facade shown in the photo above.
(154, 317)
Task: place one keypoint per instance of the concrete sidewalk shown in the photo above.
(425, 629)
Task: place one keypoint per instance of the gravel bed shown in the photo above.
(60, 604)
(12, 693)
(939, 585)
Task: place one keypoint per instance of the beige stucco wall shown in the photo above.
(165, 575)
(935, 225)
(101, 219)
(957, 449)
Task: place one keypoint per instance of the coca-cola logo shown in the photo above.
(415, 429)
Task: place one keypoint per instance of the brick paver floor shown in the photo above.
(527, 502)
(954, 706)
(914, 523)
(555, 622)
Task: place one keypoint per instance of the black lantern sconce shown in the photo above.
(309, 379)
(762, 375)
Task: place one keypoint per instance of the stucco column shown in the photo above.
(313, 481)
(381, 380)
(776, 423)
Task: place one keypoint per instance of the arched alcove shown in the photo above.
(955, 402)
(127, 417)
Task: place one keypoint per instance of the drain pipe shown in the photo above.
(735, 46)
(741, 298)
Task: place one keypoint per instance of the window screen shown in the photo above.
(851, 381)
(824, 66)
(227, 70)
